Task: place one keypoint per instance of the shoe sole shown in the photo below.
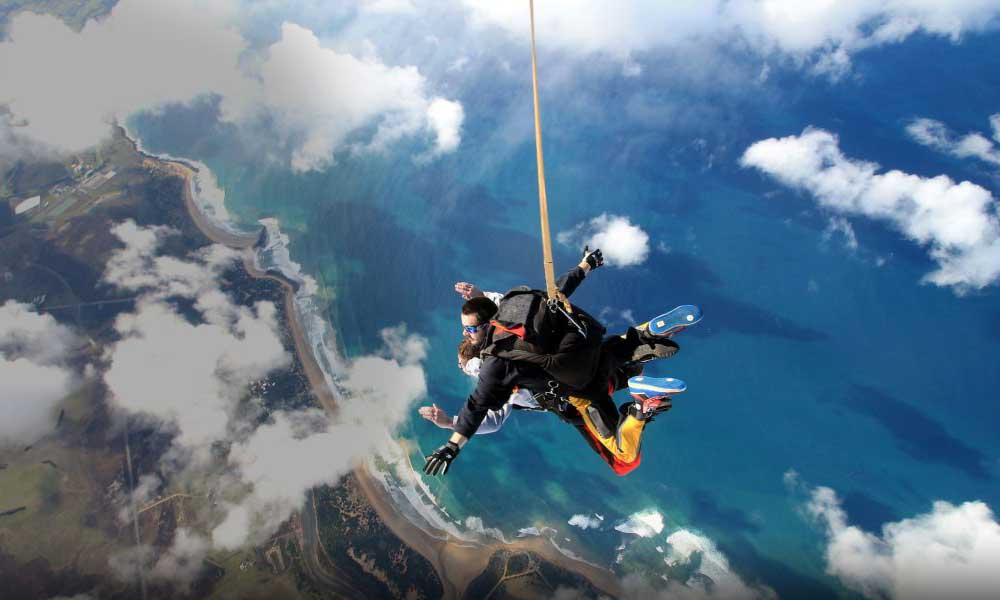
(674, 321)
(655, 386)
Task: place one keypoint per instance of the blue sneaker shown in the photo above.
(672, 322)
(652, 394)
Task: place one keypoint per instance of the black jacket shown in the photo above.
(498, 377)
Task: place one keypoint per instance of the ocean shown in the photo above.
(816, 363)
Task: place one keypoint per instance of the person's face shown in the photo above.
(473, 321)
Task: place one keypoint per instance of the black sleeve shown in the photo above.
(493, 389)
(568, 283)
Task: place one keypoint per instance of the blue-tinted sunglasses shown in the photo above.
(470, 329)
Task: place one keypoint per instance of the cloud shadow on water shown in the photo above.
(752, 566)
(705, 509)
(746, 318)
(866, 512)
(915, 433)
(993, 326)
(688, 279)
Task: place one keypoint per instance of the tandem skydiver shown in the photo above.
(575, 381)
(469, 362)
(522, 400)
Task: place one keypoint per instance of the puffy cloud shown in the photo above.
(136, 267)
(937, 135)
(388, 6)
(646, 523)
(279, 460)
(145, 54)
(149, 484)
(694, 569)
(623, 244)
(823, 35)
(843, 227)
(218, 358)
(38, 337)
(956, 221)
(132, 563)
(445, 119)
(193, 376)
(684, 545)
(326, 95)
(179, 565)
(601, 25)
(586, 522)
(217, 362)
(183, 561)
(33, 375)
(16, 145)
(149, 54)
(950, 552)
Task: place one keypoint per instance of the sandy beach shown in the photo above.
(457, 562)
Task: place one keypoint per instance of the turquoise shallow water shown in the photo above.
(836, 363)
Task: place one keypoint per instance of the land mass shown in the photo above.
(348, 540)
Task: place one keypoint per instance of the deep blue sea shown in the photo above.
(835, 363)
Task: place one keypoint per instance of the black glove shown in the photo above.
(594, 259)
(440, 460)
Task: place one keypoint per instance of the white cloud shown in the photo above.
(684, 544)
(843, 227)
(218, 358)
(585, 522)
(326, 95)
(275, 464)
(956, 221)
(183, 561)
(16, 145)
(972, 145)
(193, 376)
(476, 524)
(645, 523)
(144, 491)
(445, 120)
(28, 334)
(623, 244)
(822, 35)
(705, 570)
(178, 565)
(147, 54)
(586, 26)
(127, 565)
(458, 64)
(388, 6)
(950, 552)
(137, 267)
(279, 459)
(34, 376)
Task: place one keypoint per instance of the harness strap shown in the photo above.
(543, 203)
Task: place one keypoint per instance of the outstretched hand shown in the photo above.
(438, 462)
(435, 415)
(593, 259)
(468, 290)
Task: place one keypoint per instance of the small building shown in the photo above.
(27, 205)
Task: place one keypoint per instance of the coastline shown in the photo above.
(245, 243)
(457, 562)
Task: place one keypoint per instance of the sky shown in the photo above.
(303, 85)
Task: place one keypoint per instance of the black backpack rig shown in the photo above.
(530, 328)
